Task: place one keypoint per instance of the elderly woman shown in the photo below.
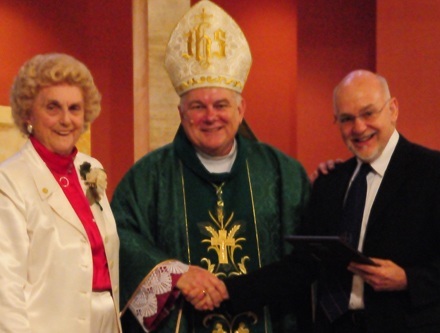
(59, 246)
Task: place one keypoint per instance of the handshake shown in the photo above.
(202, 289)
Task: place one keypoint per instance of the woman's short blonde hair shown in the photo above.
(47, 70)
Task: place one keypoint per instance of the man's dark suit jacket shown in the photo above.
(404, 227)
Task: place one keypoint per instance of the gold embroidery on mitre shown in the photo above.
(207, 49)
(201, 45)
(224, 240)
(219, 79)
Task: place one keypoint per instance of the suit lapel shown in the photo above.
(63, 208)
(50, 190)
(328, 194)
(395, 176)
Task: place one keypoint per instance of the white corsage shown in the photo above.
(96, 180)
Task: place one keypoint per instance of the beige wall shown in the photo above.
(155, 101)
(10, 136)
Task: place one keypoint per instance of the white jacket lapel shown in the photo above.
(50, 190)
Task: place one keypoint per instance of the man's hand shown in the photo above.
(386, 277)
(202, 288)
(324, 168)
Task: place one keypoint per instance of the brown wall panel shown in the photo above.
(408, 55)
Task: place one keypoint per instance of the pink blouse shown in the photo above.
(63, 169)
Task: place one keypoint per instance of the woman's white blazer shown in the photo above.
(46, 265)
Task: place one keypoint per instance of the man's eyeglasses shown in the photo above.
(365, 116)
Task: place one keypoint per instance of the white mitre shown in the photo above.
(207, 49)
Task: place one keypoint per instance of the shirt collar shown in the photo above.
(380, 164)
(55, 162)
(218, 164)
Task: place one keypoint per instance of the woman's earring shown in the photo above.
(30, 128)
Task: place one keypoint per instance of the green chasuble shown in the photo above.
(168, 206)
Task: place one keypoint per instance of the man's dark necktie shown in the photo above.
(354, 207)
(336, 293)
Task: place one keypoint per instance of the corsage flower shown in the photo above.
(96, 181)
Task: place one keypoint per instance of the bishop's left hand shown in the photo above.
(387, 276)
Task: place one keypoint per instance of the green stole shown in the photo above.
(221, 233)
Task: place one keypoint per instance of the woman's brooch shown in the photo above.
(96, 181)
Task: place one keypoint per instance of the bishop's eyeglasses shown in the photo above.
(366, 116)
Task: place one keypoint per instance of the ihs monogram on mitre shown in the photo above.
(203, 47)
